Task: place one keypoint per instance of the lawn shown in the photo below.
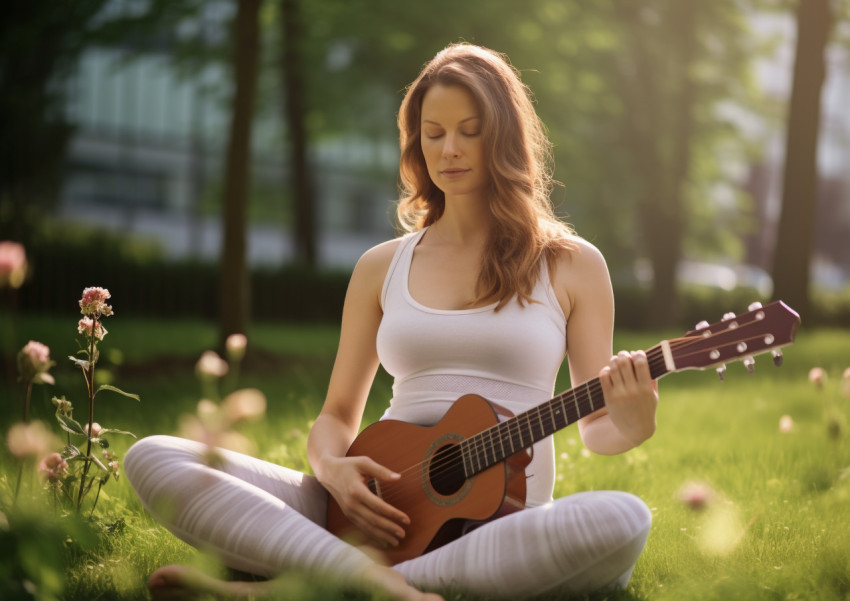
(776, 523)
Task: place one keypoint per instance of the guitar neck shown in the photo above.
(521, 431)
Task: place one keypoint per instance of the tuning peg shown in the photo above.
(728, 316)
(720, 371)
(755, 305)
(750, 363)
(701, 325)
(777, 357)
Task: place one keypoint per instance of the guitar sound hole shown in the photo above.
(446, 470)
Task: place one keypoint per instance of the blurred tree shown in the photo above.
(234, 290)
(39, 45)
(295, 116)
(793, 251)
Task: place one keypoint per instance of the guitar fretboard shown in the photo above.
(521, 431)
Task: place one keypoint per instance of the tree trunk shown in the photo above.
(658, 126)
(293, 83)
(234, 293)
(793, 250)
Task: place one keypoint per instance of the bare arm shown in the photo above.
(628, 418)
(339, 420)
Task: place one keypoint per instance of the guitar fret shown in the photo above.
(589, 395)
(543, 431)
(492, 448)
(561, 412)
(502, 445)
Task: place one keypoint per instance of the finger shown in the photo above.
(380, 528)
(616, 370)
(372, 468)
(641, 364)
(605, 381)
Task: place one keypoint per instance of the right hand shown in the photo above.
(345, 478)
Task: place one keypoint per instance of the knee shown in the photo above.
(151, 454)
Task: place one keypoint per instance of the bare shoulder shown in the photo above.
(582, 260)
(579, 272)
(371, 269)
(378, 258)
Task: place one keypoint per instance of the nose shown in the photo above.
(450, 148)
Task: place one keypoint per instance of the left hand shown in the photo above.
(631, 395)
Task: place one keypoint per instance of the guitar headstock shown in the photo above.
(735, 337)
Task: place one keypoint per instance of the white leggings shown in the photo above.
(265, 519)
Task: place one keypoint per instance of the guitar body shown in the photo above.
(433, 490)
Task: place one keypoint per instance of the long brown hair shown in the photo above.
(519, 163)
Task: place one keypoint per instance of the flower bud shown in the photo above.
(235, 345)
(85, 325)
(786, 424)
(817, 376)
(245, 404)
(13, 264)
(33, 363)
(53, 466)
(95, 429)
(62, 406)
(696, 495)
(210, 365)
(27, 440)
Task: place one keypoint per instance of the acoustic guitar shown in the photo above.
(469, 468)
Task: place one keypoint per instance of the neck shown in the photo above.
(465, 221)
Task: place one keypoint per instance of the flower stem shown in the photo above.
(88, 375)
(96, 497)
(27, 402)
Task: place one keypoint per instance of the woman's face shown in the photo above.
(452, 142)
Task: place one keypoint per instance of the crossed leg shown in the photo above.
(266, 519)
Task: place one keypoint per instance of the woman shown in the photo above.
(484, 295)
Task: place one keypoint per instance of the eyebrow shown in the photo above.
(440, 125)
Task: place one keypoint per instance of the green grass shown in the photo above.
(778, 525)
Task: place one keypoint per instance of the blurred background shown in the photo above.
(232, 159)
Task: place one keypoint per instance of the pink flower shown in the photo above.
(13, 264)
(786, 424)
(696, 495)
(245, 404)
(113, 468)
(26, 440)
(85, 326)
(210, 365)
(817, 376)
(235, 345)
(53, 466)
(33, 363)
(95, 429)
(94, 302)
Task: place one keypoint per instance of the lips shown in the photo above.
(454, 172)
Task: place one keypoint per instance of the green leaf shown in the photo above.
(118, 390)
(99, 464)
(69, 424)
(71, 452)
(111, 431)
(81, 363)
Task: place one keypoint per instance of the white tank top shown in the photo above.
(510, 357)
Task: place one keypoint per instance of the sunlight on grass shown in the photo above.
(775, 525)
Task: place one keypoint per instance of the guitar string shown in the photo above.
(477, 444)
(582, 397)
(440, 468)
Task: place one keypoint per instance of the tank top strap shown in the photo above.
(396, 278)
